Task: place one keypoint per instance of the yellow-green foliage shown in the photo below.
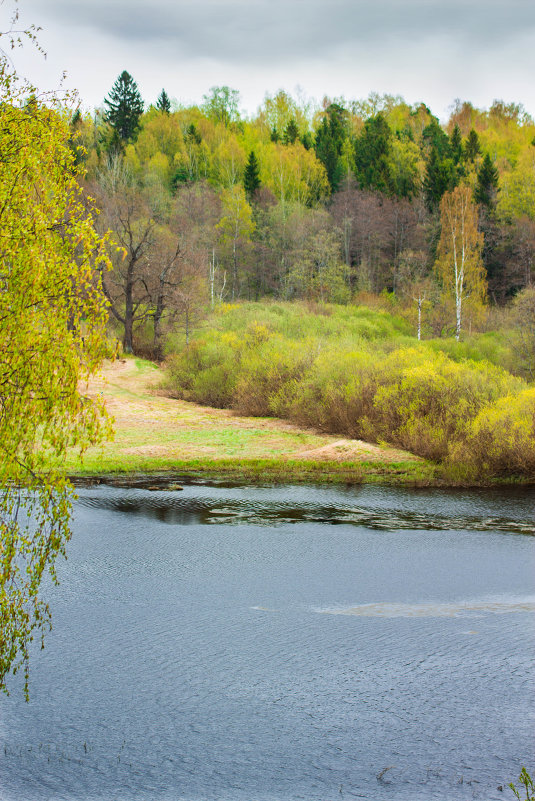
(471, 415)
(500, 439)
(432, 401)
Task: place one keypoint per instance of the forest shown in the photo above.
(327, 202)
(369, 205)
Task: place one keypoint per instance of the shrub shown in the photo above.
(499, 440)
(266, 370)
(428, 403)
(350, 371)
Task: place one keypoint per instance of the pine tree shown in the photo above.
(487, 184)
(125, 107)
(163, 103)
(251, 176)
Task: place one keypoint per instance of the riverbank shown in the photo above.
(163, 440)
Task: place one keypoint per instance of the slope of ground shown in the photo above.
(155, 433)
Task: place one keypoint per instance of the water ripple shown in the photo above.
(187, 509)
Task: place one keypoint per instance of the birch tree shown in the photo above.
(459, 264)
(52, 337)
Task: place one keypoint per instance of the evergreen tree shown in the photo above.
(125, 107)
(372, 148)
(192, 135)
(472, 147)
(274, 135)
(436, 138)
(440, 177)
(307, 141)
(291, 134)
(485, 193)
(76, 118)
(486, 188)
(330, 138)
(326, 152)
(251, 176)
(163, 103)
(456, 145)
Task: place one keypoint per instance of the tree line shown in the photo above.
(307, 201)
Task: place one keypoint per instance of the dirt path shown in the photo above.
(152, 431)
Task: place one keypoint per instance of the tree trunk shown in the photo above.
(128, 339)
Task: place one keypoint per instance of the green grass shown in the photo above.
(275, 471)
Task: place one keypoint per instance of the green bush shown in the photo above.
(499, 440)
(350, 371)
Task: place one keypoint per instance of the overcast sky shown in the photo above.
(424, 50)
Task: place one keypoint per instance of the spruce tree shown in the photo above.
(472, 147)
(163, 103)
(440, 176)
(291, 133)
(436, 138)
(192, 135)
(330, 138)
(456, 145)
(486, 188)
(372, 149)
(307, 141)
(125, 107)
(251, 176)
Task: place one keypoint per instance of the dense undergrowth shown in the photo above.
(358, 372)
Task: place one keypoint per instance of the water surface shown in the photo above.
(281, 643)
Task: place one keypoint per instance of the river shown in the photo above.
(283, 643)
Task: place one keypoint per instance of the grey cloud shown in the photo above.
(269, 31)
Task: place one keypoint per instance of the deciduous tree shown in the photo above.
(459, 264)
(221, 104)
(127, 214)
(236, 226)
(52, 337)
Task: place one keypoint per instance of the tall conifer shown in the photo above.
(163, 103)
(125, 107)
(472, 147)
(487, 184)
(251, 176)
(291, 133)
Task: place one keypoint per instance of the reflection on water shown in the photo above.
(435, 510)
(188, 661)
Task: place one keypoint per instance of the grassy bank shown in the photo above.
(173, 439)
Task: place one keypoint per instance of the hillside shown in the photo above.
(155, 433)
